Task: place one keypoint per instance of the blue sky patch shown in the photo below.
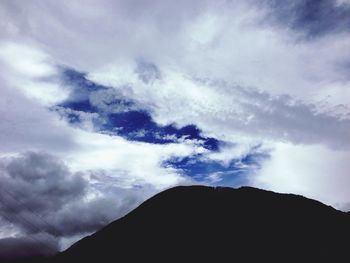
(139, 126)
(121, 116)
(217, 173)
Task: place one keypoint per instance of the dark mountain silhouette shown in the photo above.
(201, 224)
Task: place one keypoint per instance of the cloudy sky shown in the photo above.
(104, 103)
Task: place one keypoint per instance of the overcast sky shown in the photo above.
(104, 103)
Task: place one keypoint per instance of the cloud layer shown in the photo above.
(108, 102)
(40, 196)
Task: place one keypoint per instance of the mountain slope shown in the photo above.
(198, 223)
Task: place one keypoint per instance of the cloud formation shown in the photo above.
(41, 197)
(27, 246)
(106, 103)
(312, 18)
(310, 170)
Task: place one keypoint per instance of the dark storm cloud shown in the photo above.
(41, 183)
(35, 185)
(87, 217)
(28, 246)
(38, 194)
(313, 18)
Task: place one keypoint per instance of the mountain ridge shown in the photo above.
(201, 223)
(192, 219)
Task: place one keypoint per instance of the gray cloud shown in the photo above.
(112, 101)
(313, 18)
(147, 72)
(230, 111)
(209, 39)
(293, 120)
(64, 30)
(35, 185)
(39, 195)
(18, 114)
(28, 246)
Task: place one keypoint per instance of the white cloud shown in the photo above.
(32, 71)
(226, 40)
(26, 61)
(276, 89)
(241, 49)
(139, 162)
(235, 113)
(27, 125)
(311, 170)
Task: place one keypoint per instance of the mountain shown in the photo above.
(200, 224)
(217, 224)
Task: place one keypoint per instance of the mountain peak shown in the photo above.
(199, 223)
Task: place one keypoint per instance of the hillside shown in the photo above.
(197, 223)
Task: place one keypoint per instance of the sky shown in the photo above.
(104, 103)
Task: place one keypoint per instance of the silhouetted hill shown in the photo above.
(201, 224)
